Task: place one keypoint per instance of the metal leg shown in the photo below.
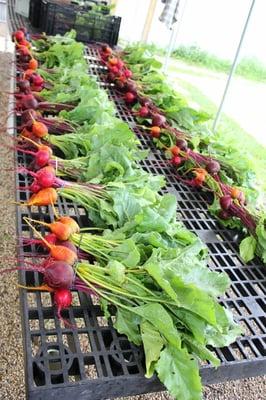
(233, 67)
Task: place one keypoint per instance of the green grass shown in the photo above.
(249, 68)
(230, 132)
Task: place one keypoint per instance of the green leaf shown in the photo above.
(179, 373)
(247, 248)
(153, 344)
(201, 351)
(157, 315)
(149, 220)
(127, 252)
(127, 324)
(126, 205)
(195, 324)
(167, 208)
(157, 273)
(226, 330)
(117, 271)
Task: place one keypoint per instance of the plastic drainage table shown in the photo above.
(94, 361)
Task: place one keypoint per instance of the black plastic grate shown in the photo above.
(94, 361)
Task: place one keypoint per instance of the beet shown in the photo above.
(144, 112)
(145, 101)
(111, 77)
(42, 158)
(59, 274)
(69, 245)
(23, 85)
(62, 299)
(29, 101)
(119, 84)
(225, 202)
(24, 58)
(120, 64)
(158, 120)
(27, 115)
(114, 69)
(23, 29)
(182, 144)
(128, 73)
(35, 187)
(130, 97)
(37, 80)
(131, 87)
(176, 161)
(104, 47)
(213, 167)
(19, 35)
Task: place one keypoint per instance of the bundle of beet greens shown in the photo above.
(142, 262)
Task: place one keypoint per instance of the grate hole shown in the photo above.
(34, 324)
(258, 290)
(102, 321)
(49, 324)
(237, 352)
(51, 339)
(133, 369)
(80, 323)
(116, 367)
(35, 344)
(248, 351)
(260, 346)
(230, 293)
(75, 299)
(90, 369)
(31, 300)
(246, 328)
(244, 311)
(95, 300)
(103, 366)
(263, 322)
(262, 304)
(68, 341)
(227, 354)
(84, 343)
(46, 299)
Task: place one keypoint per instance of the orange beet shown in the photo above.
(39, 129)
(68, 221)
(62, 231)
(62, 253)
(44, 197)
(33, 64)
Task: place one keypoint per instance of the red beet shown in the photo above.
(144, 112)
(23, 85)
(213, 167)
(62, 299)
(129, 97)
(59, 274)
(182, 144)
(158, 120)
(176, 160)
(225, 202)
(128, 73)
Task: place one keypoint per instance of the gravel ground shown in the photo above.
(11, 354)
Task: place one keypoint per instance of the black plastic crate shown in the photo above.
(57, 18)
(94, 361)
(35, 13)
